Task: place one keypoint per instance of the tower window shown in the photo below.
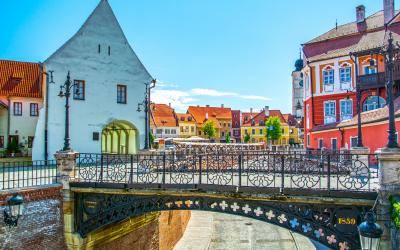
(109, 50)
(99, 49)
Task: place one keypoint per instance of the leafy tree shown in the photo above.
(13, 147)
(209, 129)
(227, 138)
(274, 128)
(151, 138)
(246, 138)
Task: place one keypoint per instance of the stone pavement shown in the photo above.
(217, 231)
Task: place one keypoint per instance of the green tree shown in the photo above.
(227, 138)
(246, 138)
(13, 147)
(151, 138)
(209, 129)
(274, 128)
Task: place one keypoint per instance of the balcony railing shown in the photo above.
(372, 81)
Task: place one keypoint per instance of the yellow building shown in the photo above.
(187, 125)
(255, 127)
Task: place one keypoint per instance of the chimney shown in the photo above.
(207, 106)
(266, 110)
(169, 104)
(222, 105)
(360, 13)
(206, 115)
(388, 10)
(251, 113)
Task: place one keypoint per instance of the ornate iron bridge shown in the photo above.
(321, 195)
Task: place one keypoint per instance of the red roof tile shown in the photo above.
(214, 113)
(262, 117)
(162, 115)
(23, 79)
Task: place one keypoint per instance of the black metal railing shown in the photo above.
(330, 171)
(23, 174)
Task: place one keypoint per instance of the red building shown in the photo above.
(335, 63)
(236, 124)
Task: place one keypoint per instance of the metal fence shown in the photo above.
(330, 171)
(15, 175)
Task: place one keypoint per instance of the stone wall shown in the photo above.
(172, 225)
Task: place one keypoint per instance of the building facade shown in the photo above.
(236, 124)
(164, 121)
(187, 125)
(340, 62)
(220, 116)
(21, 98)
(108, 83)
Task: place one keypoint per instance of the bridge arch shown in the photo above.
(120, 137)
(317, 220)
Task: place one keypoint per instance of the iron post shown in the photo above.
(67, 86)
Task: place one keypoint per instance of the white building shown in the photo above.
(164, 122)
(111, 82)
(297, 90)
(20, 100)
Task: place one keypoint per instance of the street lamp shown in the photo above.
(13, 210)
(65, 91)
(145, 104)
(370, 233)
(389, 56)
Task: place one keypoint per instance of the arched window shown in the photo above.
(370, 67)
(373, 102)
(328, 78)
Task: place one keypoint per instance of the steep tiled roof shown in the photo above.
(214, 113)
(262, 117)
(185, 117)
(23, 79)
(162, 115)
(372, 22)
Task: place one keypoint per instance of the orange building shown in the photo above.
(21, 98)
(220, 116)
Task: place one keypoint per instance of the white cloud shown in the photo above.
(178, 99)
(212, 92)
(255, 97)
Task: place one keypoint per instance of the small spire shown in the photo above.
(336, 24)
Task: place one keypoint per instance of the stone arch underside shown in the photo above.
(319, 222)
(119, 137)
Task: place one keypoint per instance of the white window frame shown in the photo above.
(331, 118)
(328, 77)
(345, 84)
(308, 116)
(346, 116)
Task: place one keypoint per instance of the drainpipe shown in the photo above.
(46, 134)
(312, 95)
(8, 118)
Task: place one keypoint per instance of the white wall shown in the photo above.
(101, 73)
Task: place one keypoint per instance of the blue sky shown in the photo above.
(234, 52)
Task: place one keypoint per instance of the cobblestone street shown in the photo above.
(216, 231)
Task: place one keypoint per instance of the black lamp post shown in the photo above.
(389, 58)
(146, 108)
(13, 210)
(370, 233)
(67, 88)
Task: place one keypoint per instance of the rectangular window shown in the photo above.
(18, 108)
(261, 131)
(345, 74)
(1, 141)
(30, 141)
(308, 116)
(330, 112)
(308, 140)
(121, 94)
(79, 90)
(253, 131)
(346, 109)
(167, 131)
(353, 141)
(173, 131)
(222, 133)
(334, 143)
(34, 109)
(368, 70)
(181, 129)
(159, 131)
(320, 143)
(328, 76)
(192, 129)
